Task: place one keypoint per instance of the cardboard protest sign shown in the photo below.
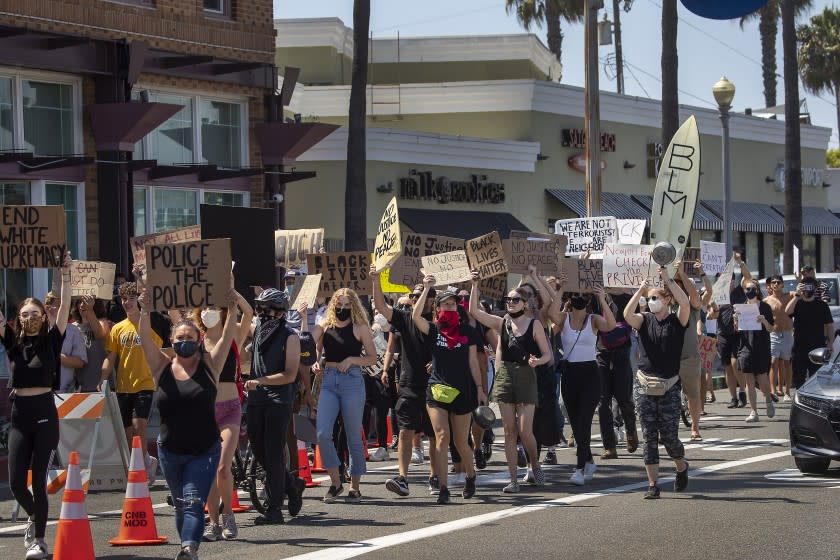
(747, 316)
(486, 255)
(386, 248)
(720, 289)
(626, 266)
(690, 256)
(308, 291)
(188, 275)
(587, 234)
(582, 275)
(712, 257)
(89, 278)
(447, 268)
(180, 235)
(494, 287)
(708, 351)
(630, 232)
(406, 269)
(32, 237)
(341, 270)
(542, 250)
(291, 246)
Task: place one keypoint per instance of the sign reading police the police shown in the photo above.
(32, 237)
(406, 269)
(587, 234)
(89, 278)
(447, 268)
(486, 255)
(193, 274)
(291, 246)
(341, 270)
(386, 248)
(180, 235)
(526, 248)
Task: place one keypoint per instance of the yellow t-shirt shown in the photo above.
(133, 373)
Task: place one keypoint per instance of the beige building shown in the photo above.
(476, 133)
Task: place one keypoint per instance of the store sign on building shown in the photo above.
(811, 177)
(655, 151)
(422, 185)
(576, 138)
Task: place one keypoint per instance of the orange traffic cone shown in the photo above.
(138, 519)
(317, 466)
(304, 471)
(375, 444)
(235, 506)
(73, 540)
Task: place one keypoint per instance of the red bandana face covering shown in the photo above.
(449, 325)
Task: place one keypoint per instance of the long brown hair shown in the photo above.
(358, 314)
(19, 332)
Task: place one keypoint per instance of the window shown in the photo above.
(48, 118)
(224, 199)
(215, 6)
(140, 211)
(159, 209)
(175, 208)
(65, 195)
(14, 284)
(172, 142)
(221, 133)
(7, 132)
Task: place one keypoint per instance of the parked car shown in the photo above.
(815, 416)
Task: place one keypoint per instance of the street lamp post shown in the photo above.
(724, 92)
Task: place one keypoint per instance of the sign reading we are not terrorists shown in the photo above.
(587, 234)
(192, 274)
(32, 237)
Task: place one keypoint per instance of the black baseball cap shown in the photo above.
(443, 296)
(806, 268)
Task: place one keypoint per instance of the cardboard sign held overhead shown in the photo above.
(308, 291)
(625, 266)
(543, 250)
(341, 270)
(386, 248)
(587, 234)
(720, 289)
(712, 257)
(447, 268)
(180, 235)
(32, 237)
(583, 275)
(291, 246)
(89, 278)
(188, 275)
(630, 232)
(486, 255)
(406, 269)
(690, 256)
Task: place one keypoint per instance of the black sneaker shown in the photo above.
(480, 461)
(487, 450)
(443, 496)
(270, 518)
(742, 397)
(333, 493)
(652, 493)
(398, 486)
(296, 496)
(733, 403)
(774, 397)
(469, 488)
(681, 481)
(550, 458)
(434, 485)
(521, 458)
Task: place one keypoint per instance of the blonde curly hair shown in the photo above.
(358, 314)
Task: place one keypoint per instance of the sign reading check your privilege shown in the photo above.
(341, 270)
(138, 244)
(587, 234)
(386, 248)
(192, 274)
(32, 237)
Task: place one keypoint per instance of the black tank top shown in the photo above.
(187, 411)
(228, 373)
(517, 349)
(339, 343)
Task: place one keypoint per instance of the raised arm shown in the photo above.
(791, 305)
(605, 322)
(690, 289)
(243, 328)
(156, 359)
(707, 284)
(486, 319)
(417, 311)
(66, 295)
(745, 271)
(680, 296)
(220, 351)
(634, 319)
(89, 316)
(378, 297)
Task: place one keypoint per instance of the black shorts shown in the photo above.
(463, 404)
(412, 415)
(135, 405)
(727, 347)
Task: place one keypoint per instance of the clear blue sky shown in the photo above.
(707, 49)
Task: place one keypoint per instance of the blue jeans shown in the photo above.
(344, 393)
(189, 478)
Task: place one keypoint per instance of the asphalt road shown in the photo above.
(745, 500)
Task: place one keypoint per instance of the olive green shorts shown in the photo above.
(514, 384)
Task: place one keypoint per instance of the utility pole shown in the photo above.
(592, 110)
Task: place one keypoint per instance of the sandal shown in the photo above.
(333, 493)
(696, 437)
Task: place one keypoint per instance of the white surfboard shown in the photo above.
(675, 197)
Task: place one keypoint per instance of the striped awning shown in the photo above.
(620, 205)
(750, 216)
(815, 221)
(704, 218)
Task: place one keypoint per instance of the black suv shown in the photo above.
(815, 416)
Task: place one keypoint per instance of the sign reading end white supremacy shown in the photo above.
(587, 234)
(32, 237)
(188, 275)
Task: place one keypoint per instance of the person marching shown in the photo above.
(781, 339)
(188, 444)
(346, 343)
(754, 352)
(34, 350)
(455, 386)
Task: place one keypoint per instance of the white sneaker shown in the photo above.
(37, 550)
(753, 417)
(529, 477)
(786, 398)
(212, 532)
(229, 529)
(457, 479)
(589, 470)
(577, 478)
(151, 468)
(29, 533)
(417, 456)
(380, 454)
(771, 409)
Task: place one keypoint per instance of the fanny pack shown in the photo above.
(444, 393)
(655, 386)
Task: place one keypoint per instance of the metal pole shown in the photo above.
(592, 113)
(619, 55)
(727, 187)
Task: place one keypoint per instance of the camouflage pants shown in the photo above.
(660, 419)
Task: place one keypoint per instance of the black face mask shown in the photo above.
(516, 314)
(751, 293)
(185, 348)
(578, 303)
(343, 314)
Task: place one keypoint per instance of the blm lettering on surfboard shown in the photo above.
(680, 161)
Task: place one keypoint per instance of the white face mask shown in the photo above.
(655, 305)
(211, 317)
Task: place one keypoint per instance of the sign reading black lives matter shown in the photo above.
(582, 275)
(32, 237)
(542, 250)
(341, 270)
(191, 274)
(587, 234)
(406, 269)
(486, 255)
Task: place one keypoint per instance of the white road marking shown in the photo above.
(794, 476)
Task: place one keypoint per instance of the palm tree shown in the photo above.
(355, 193)
(819, 55)
(793, 156)
(670, 97)
(550, 12)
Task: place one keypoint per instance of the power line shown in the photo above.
(653, 77)
(440, 18)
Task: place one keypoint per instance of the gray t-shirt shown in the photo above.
(691, 346)
(87, 378)
(74, 345)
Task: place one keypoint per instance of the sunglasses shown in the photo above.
(654, 298)
(513, 300)
(260, 308)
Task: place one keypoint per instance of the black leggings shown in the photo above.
(267, 429)
(380, 400)
(33, 436)
(581, 388)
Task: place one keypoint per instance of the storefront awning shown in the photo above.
(704, 218)
(750, 216)
(620, 205)
(816, 221)
(459, 223)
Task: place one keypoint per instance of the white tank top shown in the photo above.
(584, 349)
